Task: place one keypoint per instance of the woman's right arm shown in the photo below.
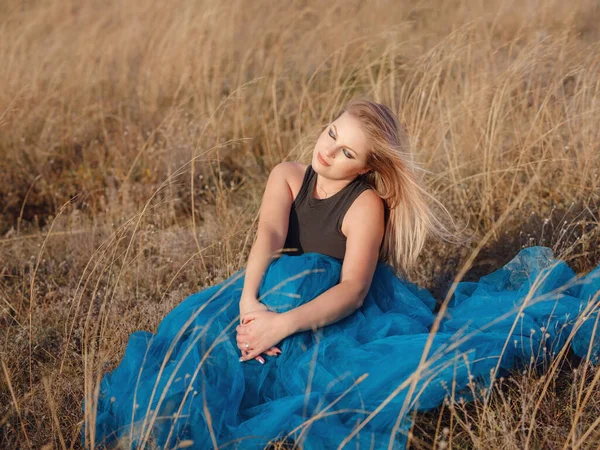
(272, 229)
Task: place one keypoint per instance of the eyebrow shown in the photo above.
(336, 133)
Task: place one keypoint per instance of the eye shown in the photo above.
(347, 154)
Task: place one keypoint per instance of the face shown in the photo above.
(341, 150)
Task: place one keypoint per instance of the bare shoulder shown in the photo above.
(294, 174)
(366, 211)
(292, 168)
(363, 225)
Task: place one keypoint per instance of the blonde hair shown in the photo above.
(409, 219)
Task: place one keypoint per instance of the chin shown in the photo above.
(316, 164)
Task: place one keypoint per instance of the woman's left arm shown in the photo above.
(365, 229)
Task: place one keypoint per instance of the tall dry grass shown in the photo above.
(136, 139)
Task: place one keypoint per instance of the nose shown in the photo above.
(329, 152)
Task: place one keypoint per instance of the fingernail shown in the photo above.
(262, 361)
(241, 358)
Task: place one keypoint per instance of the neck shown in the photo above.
(325, 187)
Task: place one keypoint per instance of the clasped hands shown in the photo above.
(261, 329)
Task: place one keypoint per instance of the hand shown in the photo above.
(262, 330)
(248, 305)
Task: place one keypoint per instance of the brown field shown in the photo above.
(136, 139)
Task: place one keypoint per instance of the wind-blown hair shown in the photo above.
(393, 175)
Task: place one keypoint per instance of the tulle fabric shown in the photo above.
(352, 382)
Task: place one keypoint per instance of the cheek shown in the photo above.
(324, 139)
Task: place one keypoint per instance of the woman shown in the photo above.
(346, 338)
(359, 171)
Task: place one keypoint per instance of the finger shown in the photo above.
(259, 358)
(247, 356)
(252, 353)
(241, 341)
(243, 349)
(244, 339)
(273, 351)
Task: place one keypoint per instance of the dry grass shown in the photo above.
(136, 139)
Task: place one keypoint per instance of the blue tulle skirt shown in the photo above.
(353, 382)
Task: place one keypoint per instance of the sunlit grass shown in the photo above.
(136, 140)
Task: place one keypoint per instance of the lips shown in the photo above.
(321, 160)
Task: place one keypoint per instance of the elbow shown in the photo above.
(358, 292)
(361, 299)
(274, 237)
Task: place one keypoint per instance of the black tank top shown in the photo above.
(316, 224)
